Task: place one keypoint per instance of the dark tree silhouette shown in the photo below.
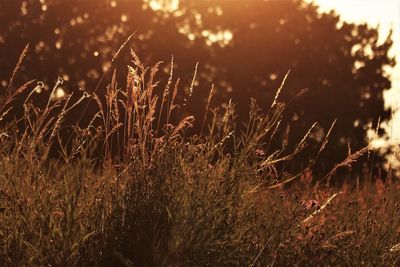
(244, 47)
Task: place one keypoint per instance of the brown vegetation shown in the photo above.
(221, 198)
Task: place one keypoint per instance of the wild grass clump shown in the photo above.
(132, 188)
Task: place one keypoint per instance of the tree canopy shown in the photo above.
(245, 48)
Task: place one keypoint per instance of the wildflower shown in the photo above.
(260, 153)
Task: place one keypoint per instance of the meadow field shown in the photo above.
(133, 188)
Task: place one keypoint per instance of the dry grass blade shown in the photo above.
(280, 89)
(166, 94)
(210, 95)
(100, 106)
(186, 99)
(59, 82)
(14, 95)
(275, 161)
(112, 90)
(229, 135)
(151, 111)
(326, 139)
(113, 130)
(285, 182)
(136, 60)
(175, 92)
(17, 67)
(5, 113)
(22, 88)
(301, 143)
(186, 122)
(332, 242)
(310, 217)
(122, 47)
(132, 97)
(59, 119)
(172, 104)
(261, 251)
(350, 159)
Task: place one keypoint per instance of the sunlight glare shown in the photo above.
(163, 5)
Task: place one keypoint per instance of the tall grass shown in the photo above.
(130, 188)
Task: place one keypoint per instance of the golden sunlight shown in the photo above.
(163, 5)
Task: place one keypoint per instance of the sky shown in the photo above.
(386, 14)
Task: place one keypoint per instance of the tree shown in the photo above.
(244, 47)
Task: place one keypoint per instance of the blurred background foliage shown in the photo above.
(243, 47)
